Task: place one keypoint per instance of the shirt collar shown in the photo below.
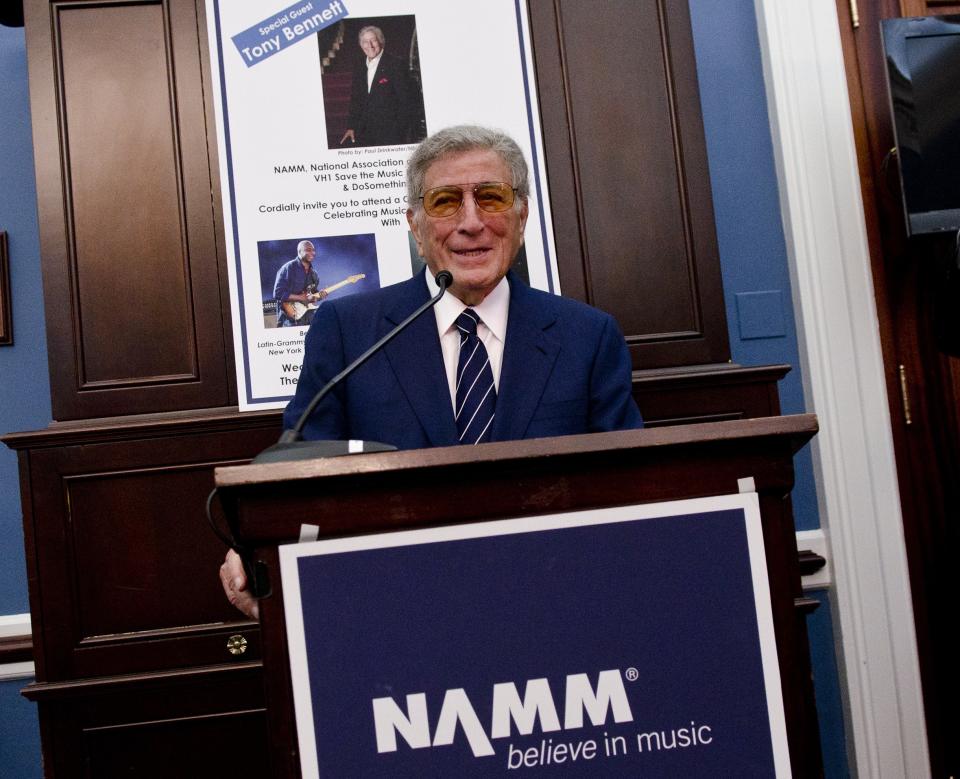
(492, 310)
(375, 60)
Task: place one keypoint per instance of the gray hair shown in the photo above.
(377, 33)
(465, 137)
(303, 245)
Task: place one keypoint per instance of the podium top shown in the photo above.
(797, 429)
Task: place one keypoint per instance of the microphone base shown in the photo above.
(287, 451)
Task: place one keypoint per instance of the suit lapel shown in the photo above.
(528, 358)
(417, 362)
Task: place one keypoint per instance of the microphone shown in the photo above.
(291, 445)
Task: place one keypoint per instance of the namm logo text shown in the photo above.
(509, 711)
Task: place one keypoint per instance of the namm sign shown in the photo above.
(628, 641)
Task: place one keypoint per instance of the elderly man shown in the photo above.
(499, 361)
(382, 98)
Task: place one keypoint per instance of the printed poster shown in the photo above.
(630, 641)
(313, 146)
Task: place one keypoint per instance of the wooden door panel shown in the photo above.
(132, 280)
(116, 532)
(194, 723)
(626, 160)
(128, 256)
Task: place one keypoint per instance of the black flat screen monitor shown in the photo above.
(923, 80)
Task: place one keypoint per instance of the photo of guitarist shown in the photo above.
(297, 284)
(295, 290)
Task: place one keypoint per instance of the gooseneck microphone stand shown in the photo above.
(291, 445)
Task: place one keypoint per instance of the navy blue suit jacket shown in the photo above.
(565, 370)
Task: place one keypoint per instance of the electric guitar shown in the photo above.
(295, 310)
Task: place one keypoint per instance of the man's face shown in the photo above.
(370, 45)
(476, 246)
(306, 252)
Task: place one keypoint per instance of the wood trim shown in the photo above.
(805, 605)
(16, 649)
(843, 367)
(137, 426)
(6, 312)
(49, 691)
(696, 375)
(799, 428)
(213, 156)
(810, 562)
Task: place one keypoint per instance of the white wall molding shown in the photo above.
(14, 625)
(12, 671)
(816, 541)
(844, 384)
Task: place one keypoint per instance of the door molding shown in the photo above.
(844, 384)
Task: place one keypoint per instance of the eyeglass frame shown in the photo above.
(473, 191)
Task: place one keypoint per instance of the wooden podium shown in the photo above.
(267, 505)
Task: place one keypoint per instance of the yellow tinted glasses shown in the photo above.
(490, 196)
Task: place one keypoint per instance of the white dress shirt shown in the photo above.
(492, 329)
(372, 68)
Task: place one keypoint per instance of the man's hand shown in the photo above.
(349, 134)
(234, 581)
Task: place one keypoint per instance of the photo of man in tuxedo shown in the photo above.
(382, 96)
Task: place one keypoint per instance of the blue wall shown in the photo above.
(19, 734)
(756, 279)
(24, 383)
(825, 680)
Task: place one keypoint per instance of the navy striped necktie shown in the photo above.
(476, 396)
